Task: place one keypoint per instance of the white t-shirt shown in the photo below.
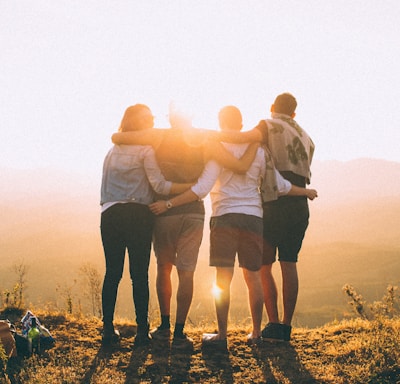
(233, 192)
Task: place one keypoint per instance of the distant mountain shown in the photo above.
(357, 199)
(359, 179)
(336, 181)
(51, 219)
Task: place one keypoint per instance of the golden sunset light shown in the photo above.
(216, 291)
(188, 206)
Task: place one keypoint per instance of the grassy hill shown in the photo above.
(348, 352)
(53, 227)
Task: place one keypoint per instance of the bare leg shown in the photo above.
(184, 295)
(290, 283)
(164, 288)
(224, 278)
(270, 293)
(256, 299)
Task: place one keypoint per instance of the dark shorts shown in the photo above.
(236, 233)
(285, 224)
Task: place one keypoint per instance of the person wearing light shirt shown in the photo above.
(181, 153)
(286, 218)
(236, 225)
(130, 173)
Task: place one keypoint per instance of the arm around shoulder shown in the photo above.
(219, 153)
(251, 136)
(143, 137)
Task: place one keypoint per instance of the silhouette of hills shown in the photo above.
(53, 217)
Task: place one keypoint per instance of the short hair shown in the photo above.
(230, 116)
(129, 121)
(285, 103)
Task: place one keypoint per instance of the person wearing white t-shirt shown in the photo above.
(236, 226)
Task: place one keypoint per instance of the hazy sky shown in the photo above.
(69, 69)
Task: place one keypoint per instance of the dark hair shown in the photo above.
(285, 103)
(128, 122)
(230, 116)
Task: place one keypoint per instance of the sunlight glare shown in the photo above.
(216, 291)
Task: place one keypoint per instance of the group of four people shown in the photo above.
(167, 172)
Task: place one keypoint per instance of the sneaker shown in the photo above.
(253, 341)
(211, 340)
(141, 340)
(110, 337)
(182, 342)
(287, 330)
(273, 332)
(142, 337)
(160, 334)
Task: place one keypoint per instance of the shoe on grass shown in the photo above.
(287, 330)
(276, 332)
(160, 334)
(211, 340)
(110, 337)
(182, 342)
(141, 340)
(142, 337)
(253, 341)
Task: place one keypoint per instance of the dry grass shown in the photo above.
(351, 351)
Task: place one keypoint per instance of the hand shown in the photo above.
(158, 207)
(312, 194)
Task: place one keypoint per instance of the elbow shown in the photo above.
(160, 188)
(114, 138)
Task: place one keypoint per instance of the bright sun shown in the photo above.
(216, 291)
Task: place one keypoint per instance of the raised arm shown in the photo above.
(216, 151)
(151, 136)
(229, 136)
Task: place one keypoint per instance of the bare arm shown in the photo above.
(285, 187)
(198, 191)
(237, 137)
(215, 150)
(299, 191)
(179, 188)
(157, 179)
(144, 137)
(160, 206)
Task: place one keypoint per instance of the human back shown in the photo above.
(237, 192)
(291, 147)
(179, 161)
(124, 174)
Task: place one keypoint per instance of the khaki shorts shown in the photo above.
(177, 239)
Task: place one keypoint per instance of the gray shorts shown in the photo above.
(177, 239)
(236, 233)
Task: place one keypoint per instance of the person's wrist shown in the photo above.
(168, 204)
